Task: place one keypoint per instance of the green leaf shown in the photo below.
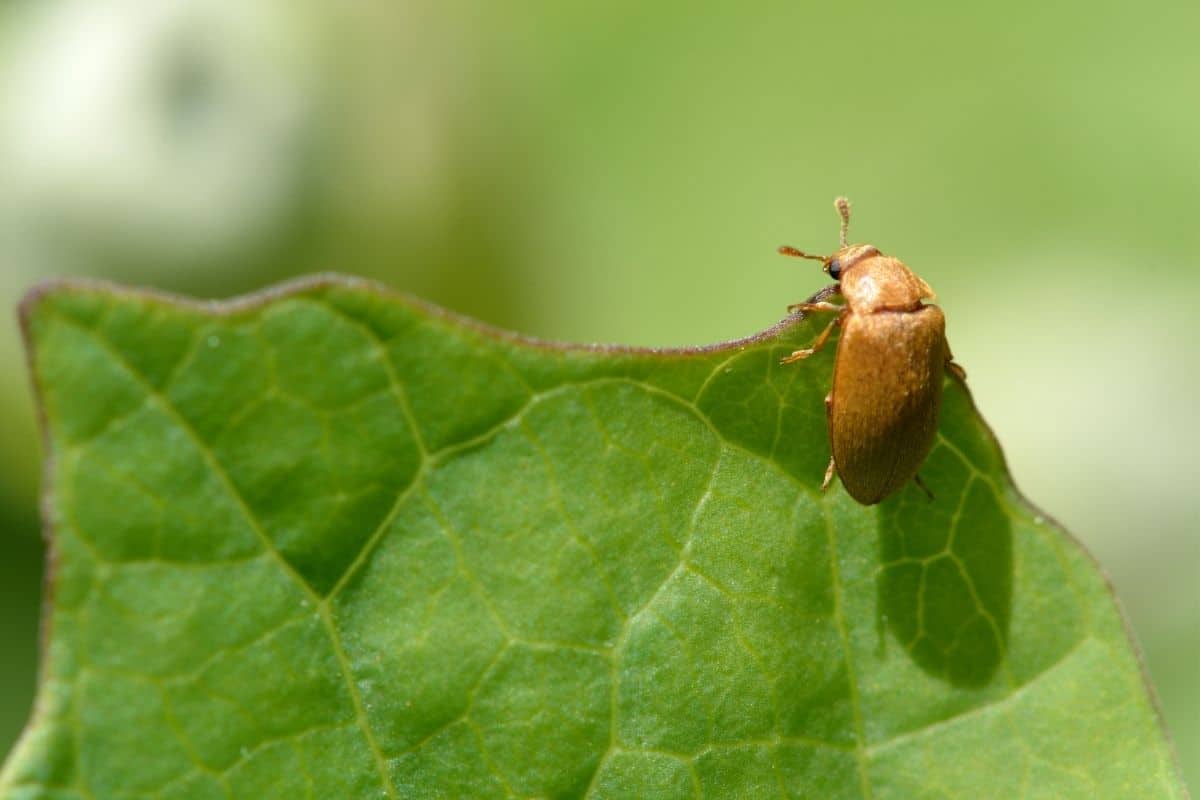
(331, 542)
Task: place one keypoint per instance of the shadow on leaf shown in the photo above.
(945, 581)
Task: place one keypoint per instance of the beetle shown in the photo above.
(882, 410)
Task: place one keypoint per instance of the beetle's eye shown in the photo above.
(835, 269)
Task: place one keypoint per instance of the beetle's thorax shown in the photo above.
(871, 281)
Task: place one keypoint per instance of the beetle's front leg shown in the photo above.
(826, 293)
(817, 299)
(800, 355)
(818, 306)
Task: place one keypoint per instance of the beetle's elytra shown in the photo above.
(887, 377)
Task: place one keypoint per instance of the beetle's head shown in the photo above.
(846, 256)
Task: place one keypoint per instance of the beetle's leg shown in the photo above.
(828, 475)
(954, 368)
(810, 306)
(800, 355)
(824, 294)
(917, 480)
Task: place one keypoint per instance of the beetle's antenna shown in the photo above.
(791, 251)
(843, 207)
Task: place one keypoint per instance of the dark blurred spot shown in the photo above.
(189, 91)
(20, 603)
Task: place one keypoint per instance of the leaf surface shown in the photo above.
(331, 542)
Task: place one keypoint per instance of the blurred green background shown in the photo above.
(623, 172)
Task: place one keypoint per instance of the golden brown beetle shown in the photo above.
(887, 377)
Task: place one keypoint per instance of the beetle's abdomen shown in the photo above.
(887, 389)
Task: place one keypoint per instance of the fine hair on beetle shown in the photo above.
(882, 408)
